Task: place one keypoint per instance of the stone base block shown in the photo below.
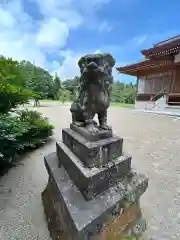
(92, 136)
(107, 217)
(92, 181)
(94, 153)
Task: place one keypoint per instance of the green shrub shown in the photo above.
(24, 129)
(11, 132)
(11, 97)
(39, 128)
(12, 85)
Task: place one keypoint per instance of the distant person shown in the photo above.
(36, 102)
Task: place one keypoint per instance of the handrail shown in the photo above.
(156, 103)
(151, 99)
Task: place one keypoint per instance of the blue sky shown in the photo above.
(55, 33)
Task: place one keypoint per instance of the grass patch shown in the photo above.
(58, 101)
(130, 238)
(49, 100)
(125, 105)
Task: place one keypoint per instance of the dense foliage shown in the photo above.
(38, 80)
(70, 88)
(12, 85)
(123, 93)
(23, 129)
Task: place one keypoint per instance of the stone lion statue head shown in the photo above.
(96, 66)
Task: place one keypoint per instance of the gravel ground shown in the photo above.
(154, 143)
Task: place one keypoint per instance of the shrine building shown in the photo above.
(158, 75)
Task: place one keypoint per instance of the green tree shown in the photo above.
(38, 80)
(129, 94)
(72, 86)
(124, 93)
(12, 85)
(65, 95)
(56, 86)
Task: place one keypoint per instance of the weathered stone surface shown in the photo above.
(117, 226)
(54, 220)
(92, 181)
(94, 91)
(92, 136)
(92, 153)
(85, 220)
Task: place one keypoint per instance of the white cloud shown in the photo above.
(7, 20)
(69, 67)
(74, 13)
(16, 40)
(61, 10)
(52, 33)
(24, 38)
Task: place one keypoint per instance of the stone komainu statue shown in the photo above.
(94, 92)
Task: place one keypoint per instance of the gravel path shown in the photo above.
(154, 143)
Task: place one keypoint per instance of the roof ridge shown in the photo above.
(167, 40)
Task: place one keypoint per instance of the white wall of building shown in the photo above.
(154, 83)
(141, 85)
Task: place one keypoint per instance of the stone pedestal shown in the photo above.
(92, 192)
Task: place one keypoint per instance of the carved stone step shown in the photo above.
(108, 216)
(95, 153)
(92, 181)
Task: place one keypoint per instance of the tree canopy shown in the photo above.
(13, 89)
(38, 80)
(124, 93)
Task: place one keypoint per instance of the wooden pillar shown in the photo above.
(153, 85)
(145, 79)
(173, 76)
(172, 82)
(162, 79)
(137, 85)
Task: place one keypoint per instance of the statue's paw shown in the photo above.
(92, 129)
(105, 127)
